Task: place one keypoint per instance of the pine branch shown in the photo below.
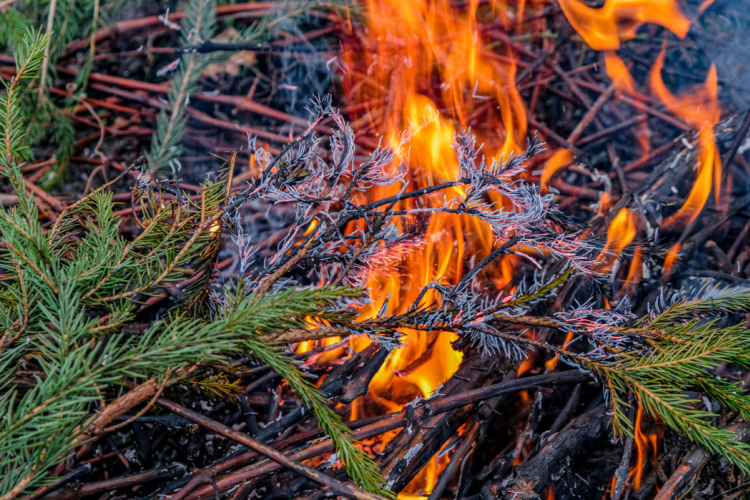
(197, 26)
(28, 61)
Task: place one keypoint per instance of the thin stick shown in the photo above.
(330, 484)
(591, 114)
(45, 62)
(741, 133)
(143, 410)
(400, 419)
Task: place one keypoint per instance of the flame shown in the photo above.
(700, 109)
(408, 45)
(605, 203)
(635, 273)
(621, 233)
(618, 72)
(561, 158)
(620, 76)
(604, 28)
(641, 443)
(644, 443)
(549, 493)
(551, 363)
(526, 365)
(670, 260)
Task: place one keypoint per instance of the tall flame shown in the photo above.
(407, 47)
(701, 110)
(410, 44)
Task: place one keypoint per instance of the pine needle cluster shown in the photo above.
(69, 293)
(662, 362)
(198, 26)
(66, 21)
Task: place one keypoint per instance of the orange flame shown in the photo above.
(635, 272)
(621, 233)
(560, 159)
(644, 443)
(701, 110)
(409, 43)
(623, 82)
(618, 20)
(670, 260)
(552, 363)
(618, 72)
(641, 443)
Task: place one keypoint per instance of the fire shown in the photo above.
(644, 443)
(551, 363)
(408, 45)
(641, 444)
(604, 28)
(635, 273)
(560, 159)
(617, 20)
(618, 72)
(701, 110)
(621, 233)
(406, 48)
(670, 260)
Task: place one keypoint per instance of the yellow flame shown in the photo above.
(410, 43)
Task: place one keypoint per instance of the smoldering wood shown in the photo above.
(550, 74)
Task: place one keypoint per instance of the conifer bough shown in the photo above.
(68, 295)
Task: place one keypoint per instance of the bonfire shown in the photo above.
(425, 249)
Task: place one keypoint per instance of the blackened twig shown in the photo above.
(687, 473)
(736, 143)
(69, 477)
(622, 473)
(503, 250)
(535, 474)
(173, 470)
(404, 418)
(327, 482)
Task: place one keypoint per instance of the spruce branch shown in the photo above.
(31, 53)
(197, 26)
